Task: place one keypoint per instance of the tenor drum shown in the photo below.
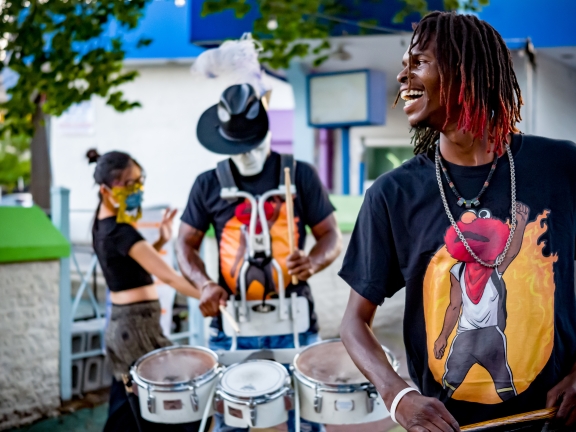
(332, 390)
(254, 394)
(173, 384)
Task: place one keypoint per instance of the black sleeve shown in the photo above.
(125, 236)
(196, 213)
(371, 265)
(316, 205)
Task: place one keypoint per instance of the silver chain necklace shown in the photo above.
(501, 257)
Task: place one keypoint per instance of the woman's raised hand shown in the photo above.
(165, 229)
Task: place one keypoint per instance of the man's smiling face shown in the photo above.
(422, 97)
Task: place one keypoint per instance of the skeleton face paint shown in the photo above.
(252, 162)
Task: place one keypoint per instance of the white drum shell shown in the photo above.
(168, 399)
(339, 408)
(268, 414)
(322, 400)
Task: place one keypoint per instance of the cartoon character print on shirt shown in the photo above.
(490, 331)
(261, 280)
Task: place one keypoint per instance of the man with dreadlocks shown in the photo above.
(480, 227)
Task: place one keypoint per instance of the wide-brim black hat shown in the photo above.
(237, 124)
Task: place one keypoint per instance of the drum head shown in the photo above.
(329, 363)
(175, 365)
(253, 378)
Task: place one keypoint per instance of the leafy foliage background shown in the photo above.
(62, 52)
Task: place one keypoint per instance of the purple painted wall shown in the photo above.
(282, 127)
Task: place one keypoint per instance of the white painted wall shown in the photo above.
(161, 136)
(555, 107)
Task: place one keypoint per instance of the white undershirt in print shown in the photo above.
(481, 315)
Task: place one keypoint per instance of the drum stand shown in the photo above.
(206, 414)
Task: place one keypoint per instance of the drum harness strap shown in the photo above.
(258, 246)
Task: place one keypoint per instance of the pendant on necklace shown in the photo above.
(468, 203)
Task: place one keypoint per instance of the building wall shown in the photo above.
(555, 109)
(29, 342)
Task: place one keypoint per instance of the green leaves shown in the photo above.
(14, 160)
(413, 6)
(64, 53)
(292, 28)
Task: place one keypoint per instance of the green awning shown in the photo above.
(347, 209)
(26, 234)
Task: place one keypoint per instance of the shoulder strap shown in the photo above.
(287, 161)
(227, 184)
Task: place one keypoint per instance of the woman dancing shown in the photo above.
(127, 262)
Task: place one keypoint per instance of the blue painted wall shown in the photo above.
(220, 26)
(167, 25)
(548, 23)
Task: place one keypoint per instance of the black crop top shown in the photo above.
(112, 242)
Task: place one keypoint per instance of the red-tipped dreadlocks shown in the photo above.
(473, 55)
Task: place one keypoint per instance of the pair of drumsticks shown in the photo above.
(290, 216)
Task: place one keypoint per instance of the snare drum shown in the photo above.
(173, 384)
(254, 394)
(332, 390)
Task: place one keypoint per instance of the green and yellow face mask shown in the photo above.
(129, 199)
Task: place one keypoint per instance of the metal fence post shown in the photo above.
(60, 204)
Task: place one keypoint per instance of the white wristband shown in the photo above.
(397, 400)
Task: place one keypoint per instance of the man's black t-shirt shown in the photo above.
(487, 342)
(205, 208)
(112, 242)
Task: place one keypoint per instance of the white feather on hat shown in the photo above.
(237, 60)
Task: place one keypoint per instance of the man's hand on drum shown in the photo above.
(417, 413)
(300, 265)
(212, 296)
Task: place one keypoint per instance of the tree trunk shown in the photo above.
(40, 170)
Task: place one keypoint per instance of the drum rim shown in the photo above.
(247, 398)
(336, 388)
(258, 400)
(177, 385)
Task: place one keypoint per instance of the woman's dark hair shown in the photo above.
(109, 167)
(473, 57)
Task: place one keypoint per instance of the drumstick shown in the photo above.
(230, 319)
(290, 212)
(541, 414)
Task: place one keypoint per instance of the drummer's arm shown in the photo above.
(414, 412)
(327, 248)
(563, 396)
(193, 269)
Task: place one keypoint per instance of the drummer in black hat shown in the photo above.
(238, 126)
